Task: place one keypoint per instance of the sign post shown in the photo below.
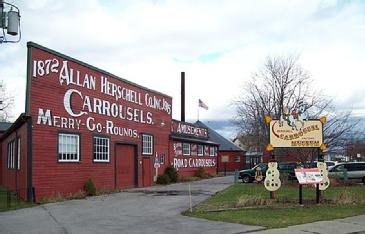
(295, 130)
(156, 165)
(308, 176)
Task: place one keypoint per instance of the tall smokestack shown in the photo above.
(183, 96)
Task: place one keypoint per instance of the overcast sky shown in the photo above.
(219, 44)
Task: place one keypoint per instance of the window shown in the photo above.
(237, 158)
(355, 166)
(11, 160)
(212, 151)
(339, 168)
(147, 144)
(206, 150)
(186, 149)
(68, 147)
(101, 149)
(248, 160)
(18, 154)
(200, 150)
(162, 159)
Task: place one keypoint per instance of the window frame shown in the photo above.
(212, 151)
(206, 147)
(18, 142)
(162, 159)
(101, 153)
(10, 154)
(149, 153)
(76, 134)
(183, 149)
(237, 157)
(202, 149)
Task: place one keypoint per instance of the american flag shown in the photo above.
(202, 104)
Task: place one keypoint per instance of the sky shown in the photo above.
(218, 44)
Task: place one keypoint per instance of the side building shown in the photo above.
(230, 156)
(192, 148)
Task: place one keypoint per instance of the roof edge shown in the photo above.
(18, 122)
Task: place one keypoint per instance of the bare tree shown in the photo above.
(6, 103)
(283, 83)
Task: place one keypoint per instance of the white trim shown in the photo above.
(188, 149)
(67, 146)
(11, 154)
(212, 151)
(100, 143)
(147, 144)
(162, 159)
(202, 149)
(18, 154)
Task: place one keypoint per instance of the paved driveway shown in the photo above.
(147, 210)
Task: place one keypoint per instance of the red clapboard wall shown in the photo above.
(236, 161)
(14, 173)
(187, 162)
(68, 96)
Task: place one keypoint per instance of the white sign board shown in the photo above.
(309, 176)
(305, 134)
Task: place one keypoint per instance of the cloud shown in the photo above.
(219, 44)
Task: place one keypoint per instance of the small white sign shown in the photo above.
(308, 175)
(157, 162)
(225, 158)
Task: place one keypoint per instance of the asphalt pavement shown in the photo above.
(147, 210)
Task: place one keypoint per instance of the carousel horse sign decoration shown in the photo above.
(295, 129)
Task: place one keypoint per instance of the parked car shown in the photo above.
(355, 171)
(248, 175)
(331, 164)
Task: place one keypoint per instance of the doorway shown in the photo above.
(126, 166)
(146, 173)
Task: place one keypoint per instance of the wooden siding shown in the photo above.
(51, 177)
(14, 179)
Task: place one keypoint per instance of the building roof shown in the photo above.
(4, 126)
(224, 144)
(192, 139)
(18, 123)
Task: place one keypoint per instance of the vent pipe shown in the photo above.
(183, 96)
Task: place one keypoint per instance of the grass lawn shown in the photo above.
(14, 203)
(250, 204)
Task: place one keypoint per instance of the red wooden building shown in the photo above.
(191, 148)
(230, 156)
(81, 122)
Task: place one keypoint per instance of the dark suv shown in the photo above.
(248, 175)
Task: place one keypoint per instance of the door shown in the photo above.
(126, 166)
(147, 176)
